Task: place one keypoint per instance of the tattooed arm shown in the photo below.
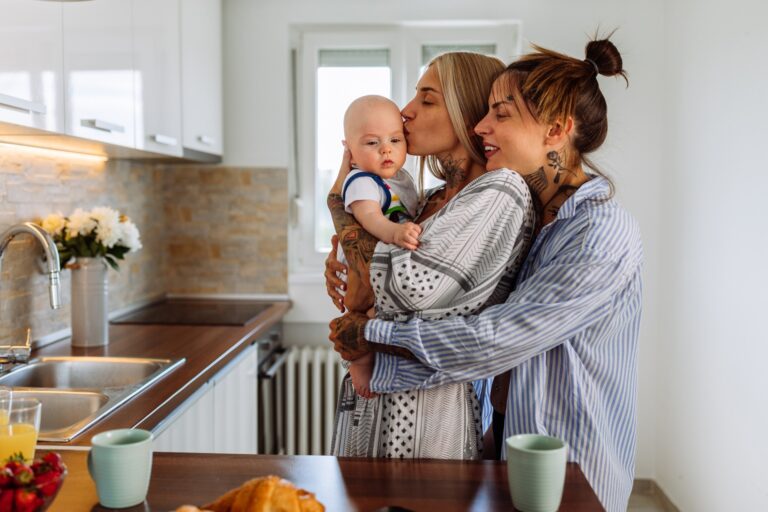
(358, 246)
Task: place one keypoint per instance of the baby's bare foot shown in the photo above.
(361, 371)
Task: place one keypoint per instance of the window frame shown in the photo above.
(404, 42)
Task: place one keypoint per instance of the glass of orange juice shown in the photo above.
(19, 434)
(5, 403)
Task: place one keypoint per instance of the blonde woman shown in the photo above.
(476, 229)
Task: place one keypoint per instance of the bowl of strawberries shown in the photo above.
(30, 487)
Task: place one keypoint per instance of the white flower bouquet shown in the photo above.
(99, 233)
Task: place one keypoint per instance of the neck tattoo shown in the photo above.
(556, 163)
(537, 181)
(455, 175)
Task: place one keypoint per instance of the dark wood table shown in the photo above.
(340, 484)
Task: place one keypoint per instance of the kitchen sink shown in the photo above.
(83, 372)
(63, 409)
(75, 392)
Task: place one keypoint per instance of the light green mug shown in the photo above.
(536, 471)
(120, 462)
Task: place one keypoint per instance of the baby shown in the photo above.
(378, 192)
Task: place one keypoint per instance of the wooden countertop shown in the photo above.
(340, 484)
(207, 349)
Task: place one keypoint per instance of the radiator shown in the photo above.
(298, 402)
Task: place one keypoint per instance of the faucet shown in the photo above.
(50, 251)
(15, 354)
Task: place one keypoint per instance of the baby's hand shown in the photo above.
(407, 235)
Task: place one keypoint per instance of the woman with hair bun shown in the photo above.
(563, 347)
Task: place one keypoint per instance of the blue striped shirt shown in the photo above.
(568, 333)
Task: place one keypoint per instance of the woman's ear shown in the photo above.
(559, 132)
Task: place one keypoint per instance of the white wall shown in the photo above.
(712, 404)
(257, 130)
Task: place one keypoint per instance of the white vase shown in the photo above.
(90, 327)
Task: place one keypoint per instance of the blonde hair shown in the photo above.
(466, 79)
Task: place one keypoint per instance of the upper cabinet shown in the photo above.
(98, 71)
(30, 66)
(201, 75)
(157, 84)
(126, 78)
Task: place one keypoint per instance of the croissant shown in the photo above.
(265, 494)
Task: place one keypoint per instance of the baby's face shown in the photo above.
(377, 141)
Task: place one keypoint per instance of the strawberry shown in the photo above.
(48, 482)
(22, 474)
(6, 477)
(26, 501)
(6, 500)
(54, 459)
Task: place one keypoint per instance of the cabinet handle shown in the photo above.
(33, 107)
(205, 139)
(165, 140)
(104, 126)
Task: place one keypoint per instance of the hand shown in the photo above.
(348, 336)
(407, 235)
(333, 283)
(344, 168)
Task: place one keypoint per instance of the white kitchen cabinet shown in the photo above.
(201, 75)
(191, 427)
(31, 87)
(220, 418)
(157, 85)
(98, 70)
(234, 398)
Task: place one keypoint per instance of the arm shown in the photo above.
(558, 301)
(358, 246)
(368, 213)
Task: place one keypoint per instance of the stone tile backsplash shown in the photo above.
(204, 229)
(227, 230)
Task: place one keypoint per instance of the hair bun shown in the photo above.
(606, 57)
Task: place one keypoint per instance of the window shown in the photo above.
(342, 76)
(334, 67)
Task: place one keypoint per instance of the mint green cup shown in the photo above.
(536, 471)
(120, 462)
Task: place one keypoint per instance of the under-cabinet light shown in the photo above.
(54, 153)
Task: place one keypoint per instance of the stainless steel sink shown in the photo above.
(77, 391)
(63, 409)
(83, 372)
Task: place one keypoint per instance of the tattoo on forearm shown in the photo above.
(455, 175)
(358, 246)
(351, 335)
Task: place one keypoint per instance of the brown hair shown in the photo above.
(555, 86)
(466, 79)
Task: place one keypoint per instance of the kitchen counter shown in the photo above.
(340, 484)
(207, 349)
